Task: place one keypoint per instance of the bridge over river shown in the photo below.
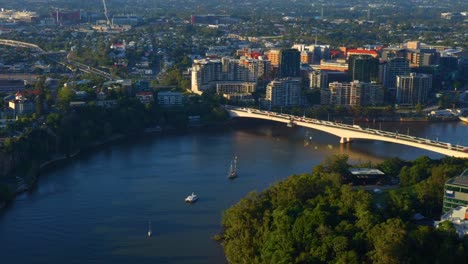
(346, 133)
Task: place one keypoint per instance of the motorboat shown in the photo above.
(191, 198)
(463, 118)
(150, 232)
(233, 169)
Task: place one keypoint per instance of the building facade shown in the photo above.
(413, 89)
(393, 68)
(204, 73)
(363, 68)
(289, 64)
(208, 73)
(352, 94)
(284, 92)
(456, 192)
(321, 79)
(170, 98)
(236, 87)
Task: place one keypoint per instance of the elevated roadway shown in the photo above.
(348, 132)
(15, 43)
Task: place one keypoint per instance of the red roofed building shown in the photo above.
(335, 54)
(255, 55)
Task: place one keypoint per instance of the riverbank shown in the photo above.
(24, 185)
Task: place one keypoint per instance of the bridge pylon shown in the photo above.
(345, 140)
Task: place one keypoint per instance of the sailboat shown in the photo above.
(233, 169)
(150, 232)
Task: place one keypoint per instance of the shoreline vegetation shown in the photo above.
(24, 186)
(319, 217)
(38, 143)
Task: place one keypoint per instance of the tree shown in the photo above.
(65, 95)
(419, 109)
(388, 240)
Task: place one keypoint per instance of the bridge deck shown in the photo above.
(348, 132)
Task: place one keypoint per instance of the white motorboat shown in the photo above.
(191, 198)
(150, 232)
(463, 118)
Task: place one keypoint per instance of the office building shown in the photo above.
(413, 89)
(284, 92)
(393, 68)
(289, 64)
(363, 68)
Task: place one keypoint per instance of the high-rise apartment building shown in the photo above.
(274, 57)
(352, 94)
(207, 73)
(413, 89)
(284, 92)
(363, 68)
(204, 73)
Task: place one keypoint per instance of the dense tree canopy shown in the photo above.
(314, 218)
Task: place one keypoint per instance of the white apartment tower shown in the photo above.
(284, 92)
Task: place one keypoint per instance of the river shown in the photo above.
(96, 207)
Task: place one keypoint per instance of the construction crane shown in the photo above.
(106, 12)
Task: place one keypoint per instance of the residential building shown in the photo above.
(204, 73)
(274, 57)
(413, 89)
(236, 87)
(21, 105)
(168, 98)
(352, 94)
(321, 79)
(456, 192)
(145, 97)
(284, 92)
(208, 73)
(423, 57)
(363, 68)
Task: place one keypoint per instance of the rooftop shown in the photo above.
(460, 180)
(365, 171)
